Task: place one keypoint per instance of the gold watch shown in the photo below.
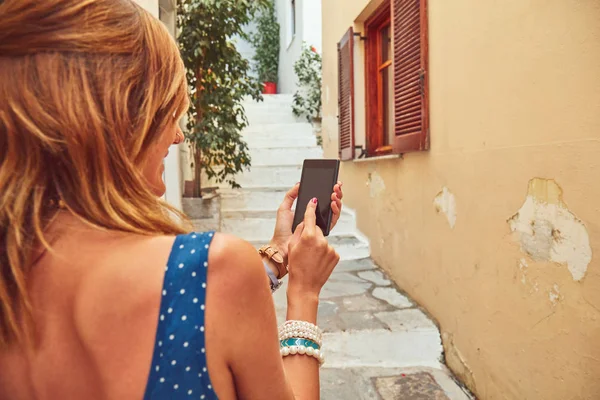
(276, 258)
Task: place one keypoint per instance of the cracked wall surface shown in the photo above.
(548, 231)
(520, 302)
(445, 203)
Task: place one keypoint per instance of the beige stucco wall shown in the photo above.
(515, 95)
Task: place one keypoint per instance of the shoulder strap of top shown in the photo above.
(179, 359)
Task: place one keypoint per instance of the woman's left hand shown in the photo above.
(285, 217)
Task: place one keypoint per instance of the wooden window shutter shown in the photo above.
(346, 95)
(411, 81)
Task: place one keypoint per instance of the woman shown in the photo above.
(103, 294)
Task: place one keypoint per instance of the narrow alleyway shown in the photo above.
(378, 343)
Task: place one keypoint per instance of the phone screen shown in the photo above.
(318, 179)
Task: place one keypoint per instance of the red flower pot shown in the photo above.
(270, 88)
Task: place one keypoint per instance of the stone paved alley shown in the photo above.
(378, 343)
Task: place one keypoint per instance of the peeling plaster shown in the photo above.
(523, 267)
(534, 286)
(523, 264)
(548, 231)
(445, 202)
(376, 184)
(554, 294)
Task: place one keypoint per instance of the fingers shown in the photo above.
(310, 217)
(297, 234)
(335, 208)
(337, 190)
(337, 200)
(336, 203)
(290, 196)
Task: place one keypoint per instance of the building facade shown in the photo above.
(470, 134)
(300, 22)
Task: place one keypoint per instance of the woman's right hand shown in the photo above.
(311, 258)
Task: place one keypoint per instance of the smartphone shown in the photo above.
(318, 179)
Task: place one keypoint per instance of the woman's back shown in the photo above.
(64, 286)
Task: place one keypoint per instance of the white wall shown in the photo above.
(150, 6)
(245, 48)
(308, 29)
(311, 23)
(290, 44)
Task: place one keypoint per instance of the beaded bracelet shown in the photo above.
(299, 342)
(301, 329)
(301, 346)
(301, 337)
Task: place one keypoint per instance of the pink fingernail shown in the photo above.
(314, 200)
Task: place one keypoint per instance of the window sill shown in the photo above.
(377, 158)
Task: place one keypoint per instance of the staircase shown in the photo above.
(278, 143)
(378, 343)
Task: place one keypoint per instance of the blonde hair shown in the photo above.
(86, 89)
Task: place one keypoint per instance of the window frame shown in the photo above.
(378, 21)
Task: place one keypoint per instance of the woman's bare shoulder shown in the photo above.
(130, 269)
(130, 277)
(236, 262)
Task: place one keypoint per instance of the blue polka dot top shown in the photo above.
(178, 369)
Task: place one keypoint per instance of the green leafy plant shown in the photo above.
(266, 44)
(307, 99)
(219, 79)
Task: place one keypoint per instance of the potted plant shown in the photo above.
(219, 79)
(266, 44)
(307, 99)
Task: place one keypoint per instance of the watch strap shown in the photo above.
(275, 283)
(276, 258)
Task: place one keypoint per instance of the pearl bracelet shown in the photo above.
(301, 337)
(301, 329)
(303, 350)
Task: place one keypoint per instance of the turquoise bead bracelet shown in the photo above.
(298, 342)
(293, 346)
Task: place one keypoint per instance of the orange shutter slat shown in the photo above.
(346, 95)
(409, 25)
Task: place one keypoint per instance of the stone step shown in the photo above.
(387, 349)
(279, 135)
(253, 198)
(284, 155)
(278, 129)
(267, 117)
(261, 142)
(367, 383)
(347, 246)
(258, 226)
(243, 199)
(272, 99)
(273, 111)
(274, 175)
(263, 107)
